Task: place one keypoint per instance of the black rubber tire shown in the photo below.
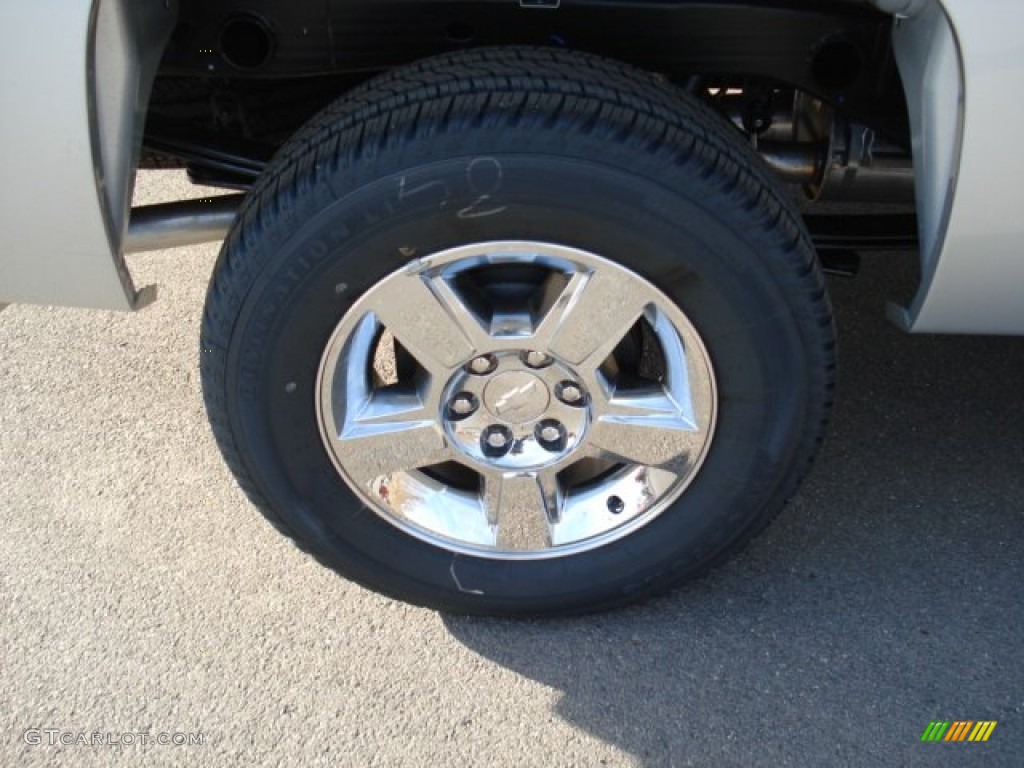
(596, 155)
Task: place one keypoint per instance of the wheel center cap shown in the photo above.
(516, 397)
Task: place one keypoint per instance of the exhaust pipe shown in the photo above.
(189, 222)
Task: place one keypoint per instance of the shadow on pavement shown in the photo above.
(888, 593)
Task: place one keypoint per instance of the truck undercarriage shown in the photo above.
(836, 50)
(813, 86)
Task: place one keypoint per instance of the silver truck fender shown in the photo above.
(75, 76)
(962, 64)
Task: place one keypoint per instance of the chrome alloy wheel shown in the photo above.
(516, 400)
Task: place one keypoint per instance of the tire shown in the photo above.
(508, 179)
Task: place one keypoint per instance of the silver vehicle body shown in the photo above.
(73, 130)
(70, 137)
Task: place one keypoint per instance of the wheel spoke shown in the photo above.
(469, 324)
(388, 436)
(649, 429)
(389, 409)
(522, 508)
(428, 319)
(590, 317)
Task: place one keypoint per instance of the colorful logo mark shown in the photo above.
(958, 730)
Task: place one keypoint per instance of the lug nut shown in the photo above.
(536, 359)
(483, 365)
(496, 441)
(551, 435)
(463, 404)
(569, 393)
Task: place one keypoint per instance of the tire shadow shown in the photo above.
(887, 594)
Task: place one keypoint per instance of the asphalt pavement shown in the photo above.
(140, 593)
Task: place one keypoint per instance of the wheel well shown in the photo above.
(256, 70)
